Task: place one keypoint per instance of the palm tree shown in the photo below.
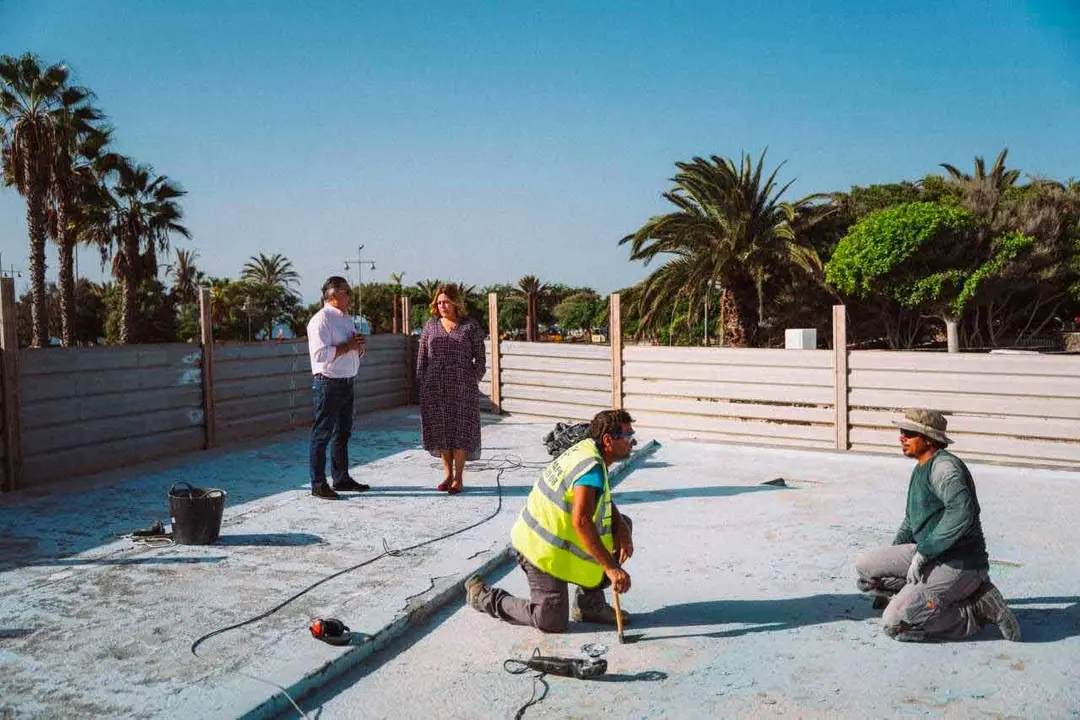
(186, 277)
(983, 190)
(273, 270)
(530, 288)
(730, 229)
(427, 288)
(396, 278)
(30, 97)
(75, 184)
(998, 177)
(145, 214)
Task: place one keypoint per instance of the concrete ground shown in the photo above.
(745, 607)
(95, 625)
(744, 593)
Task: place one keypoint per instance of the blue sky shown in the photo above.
(486, 141)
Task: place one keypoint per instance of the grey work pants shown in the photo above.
(937, 607)
(548, 606)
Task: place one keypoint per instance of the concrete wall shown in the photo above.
(556, 381)
(85, 410)
(775, 397)
(263, 388)
(1010, 408)
(1006, 408)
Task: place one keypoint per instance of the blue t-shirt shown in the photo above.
(594, 479)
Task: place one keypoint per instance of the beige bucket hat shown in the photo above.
(930, 423)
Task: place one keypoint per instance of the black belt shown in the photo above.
(332, 380)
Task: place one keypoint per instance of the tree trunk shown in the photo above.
(952, 334)
(66, 274)
(734, 329)
(130, 285)
(35, 222)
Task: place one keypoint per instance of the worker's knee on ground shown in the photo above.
(861, 566)
(551, 623)
(895, 614)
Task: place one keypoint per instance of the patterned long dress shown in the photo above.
(449, 367)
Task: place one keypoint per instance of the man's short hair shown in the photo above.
(336, 284)
(608, 422)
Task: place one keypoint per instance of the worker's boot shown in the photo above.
(475, 591)
(989, 606)
(593, 607)
(881, 595)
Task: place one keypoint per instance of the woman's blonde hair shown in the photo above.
(453, 292)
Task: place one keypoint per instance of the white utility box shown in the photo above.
(800, 339)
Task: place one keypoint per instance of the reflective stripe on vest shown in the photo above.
(544, 532)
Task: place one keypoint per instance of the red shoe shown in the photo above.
(455, 489)
(443, 486)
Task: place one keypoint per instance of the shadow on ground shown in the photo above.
(632, 497)
(269, 540)
(757, 615)
(44, 525)
(621, 497)
(1039, 624)
(1045, 625)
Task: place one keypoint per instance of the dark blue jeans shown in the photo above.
(332, 399)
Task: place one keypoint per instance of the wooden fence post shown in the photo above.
(9, 349)
(397, 315)
(206, 336)
(496, 352)
(410, 351)
(840, 375)
(615, 337)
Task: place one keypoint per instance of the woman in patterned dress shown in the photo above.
(449, 367)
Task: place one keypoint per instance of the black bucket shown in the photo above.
(196, 514)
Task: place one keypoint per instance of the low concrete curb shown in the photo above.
(417, 611)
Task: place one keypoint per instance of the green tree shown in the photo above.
(513, 313)
(74, 182)
(243, 310)
(186, 276)
(145, 214)
(378, 305)
(530, 289)
(273, 269)
(32, 102)
(730, 228)
(929, 259)
(580, 312)
(153, 314)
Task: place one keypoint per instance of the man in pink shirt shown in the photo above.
(336, 349)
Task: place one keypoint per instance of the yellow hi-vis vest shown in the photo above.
(544, 532)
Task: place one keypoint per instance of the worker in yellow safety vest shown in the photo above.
(569, 532)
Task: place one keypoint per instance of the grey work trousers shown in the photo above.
(548, 606)
(937, 607)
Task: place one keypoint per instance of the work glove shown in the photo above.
(914, 573)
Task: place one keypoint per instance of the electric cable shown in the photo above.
(498, 463)
(520, 667)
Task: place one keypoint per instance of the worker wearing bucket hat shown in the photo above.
(934, 580)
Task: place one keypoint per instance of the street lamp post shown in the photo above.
(360, 261)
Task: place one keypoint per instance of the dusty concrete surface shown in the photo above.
(94, 625)
(745, 607)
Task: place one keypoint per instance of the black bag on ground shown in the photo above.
(564, 436)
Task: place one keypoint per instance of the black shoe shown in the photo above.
(322, 490)
(350, 485)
